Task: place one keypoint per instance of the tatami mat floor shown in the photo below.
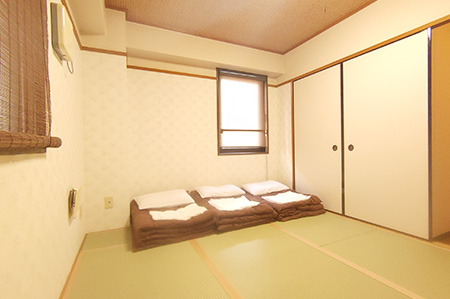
(327, 256)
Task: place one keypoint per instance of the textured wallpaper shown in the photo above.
(147, 132)
(284, 135)
(124, 132)
(38, 241)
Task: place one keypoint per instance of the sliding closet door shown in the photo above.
(317, 124)
(386, 136)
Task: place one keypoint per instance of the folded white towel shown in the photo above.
(181, 214)
(232, 204)
(286, 197)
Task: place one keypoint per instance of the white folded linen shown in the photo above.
(164, 199)
(184, 213)
(259, 188)
(286, 197)
(232, 204)
(219, 191)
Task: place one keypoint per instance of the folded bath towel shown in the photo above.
(286, 197)
(180, 214)
(232, 204)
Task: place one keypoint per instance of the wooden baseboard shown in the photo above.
(69, 281)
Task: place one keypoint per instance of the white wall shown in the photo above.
(148, 132)
(39, 242)
(284, 135)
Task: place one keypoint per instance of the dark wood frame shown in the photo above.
(244, 150)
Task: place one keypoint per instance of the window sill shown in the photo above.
(242, 151)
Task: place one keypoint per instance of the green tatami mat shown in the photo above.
(172, 271)
(419, 267)
(263, 262)
(326, 228)
(108, 238)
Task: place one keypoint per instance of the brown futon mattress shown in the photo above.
(292, 210)
(147, 233)
(232, 220)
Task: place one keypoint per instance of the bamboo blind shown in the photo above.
(24, 83)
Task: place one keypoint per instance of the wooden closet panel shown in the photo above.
(317, 124)
(440, 128)
(386, 120)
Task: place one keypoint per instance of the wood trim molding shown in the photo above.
(435, 23)
(103, 51)
(71, 276)
(141, 68)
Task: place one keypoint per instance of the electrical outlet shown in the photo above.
(109, 202)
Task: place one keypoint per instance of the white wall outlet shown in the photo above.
(109, 202)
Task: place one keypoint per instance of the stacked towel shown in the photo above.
(180, 214)
(232, 204)
(286, 197)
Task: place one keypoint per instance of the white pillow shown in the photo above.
(219, 191)
(163, 199)
(264, 187)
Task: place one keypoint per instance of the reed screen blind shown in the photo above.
(242, 113)
(24, 83)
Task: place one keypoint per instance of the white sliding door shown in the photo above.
(386, 121)
(317, 128)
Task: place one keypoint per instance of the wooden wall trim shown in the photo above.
(104, 51)
(148, 69)
(435, 23)
(141, 68)
(73, 271)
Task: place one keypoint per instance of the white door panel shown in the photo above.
(317, 127)
(386, 120)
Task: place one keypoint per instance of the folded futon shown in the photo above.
(171, 220)
(287, 203)
(233, 210)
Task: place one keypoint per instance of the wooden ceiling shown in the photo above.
(276, 26)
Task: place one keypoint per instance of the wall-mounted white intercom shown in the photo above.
(57, 21)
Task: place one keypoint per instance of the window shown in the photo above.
(24, 83)
(241, 113)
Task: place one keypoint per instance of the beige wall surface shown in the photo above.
(39, 242)
(380, 21)
(281, 150)
(148, 132)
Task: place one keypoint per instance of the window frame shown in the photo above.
(242, 150)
